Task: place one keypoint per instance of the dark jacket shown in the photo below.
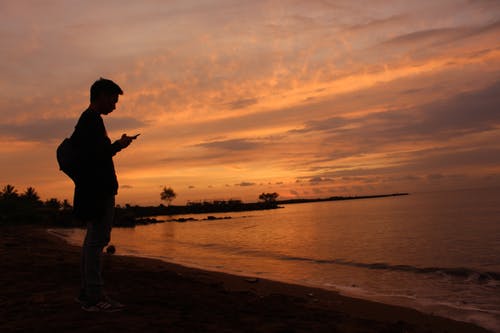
(96, 177)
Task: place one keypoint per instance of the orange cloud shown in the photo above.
(367, 96)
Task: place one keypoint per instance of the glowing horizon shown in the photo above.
(303, 98)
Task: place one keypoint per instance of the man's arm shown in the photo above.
(122, 143)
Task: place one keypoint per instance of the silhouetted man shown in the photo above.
(95, 190)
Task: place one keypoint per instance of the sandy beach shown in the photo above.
(40, 279)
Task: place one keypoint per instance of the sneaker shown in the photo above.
(83, 299)
(113, 302)
(102, 306)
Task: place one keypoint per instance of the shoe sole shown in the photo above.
(95, 310)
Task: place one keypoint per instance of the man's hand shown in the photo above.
(125, 140)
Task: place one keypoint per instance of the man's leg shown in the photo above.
(83, 289)
(97, 237)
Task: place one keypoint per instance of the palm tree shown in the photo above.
(168, 195)
(9, 192)
(31, 195)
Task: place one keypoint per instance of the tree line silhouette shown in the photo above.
(28, 208)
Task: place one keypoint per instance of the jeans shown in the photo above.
(97, 237)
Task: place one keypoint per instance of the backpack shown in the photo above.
(68, 159)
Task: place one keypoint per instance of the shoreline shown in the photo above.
(41, 278)
(448, 310)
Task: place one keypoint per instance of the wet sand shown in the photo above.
(39, 280)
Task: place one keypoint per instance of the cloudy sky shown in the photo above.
(309, 98)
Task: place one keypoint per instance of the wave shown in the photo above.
(468, 274)
(460, 272)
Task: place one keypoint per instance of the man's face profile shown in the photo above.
(108, 103)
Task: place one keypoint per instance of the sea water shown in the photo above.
(436, 252)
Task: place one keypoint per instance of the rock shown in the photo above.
(111, 249)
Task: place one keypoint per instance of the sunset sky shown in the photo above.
(235, 98)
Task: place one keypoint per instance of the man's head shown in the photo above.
(104, 95)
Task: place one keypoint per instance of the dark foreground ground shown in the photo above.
(39, 279)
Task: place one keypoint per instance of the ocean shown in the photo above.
(437, 252)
